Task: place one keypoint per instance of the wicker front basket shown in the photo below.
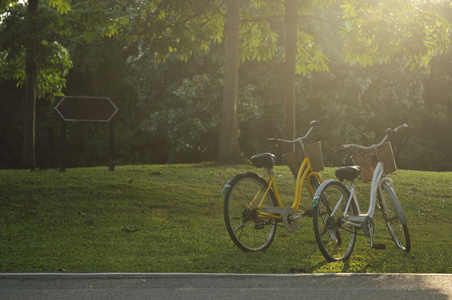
(295, 158)
(368, 159)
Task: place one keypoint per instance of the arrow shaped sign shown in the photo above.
(93, 109)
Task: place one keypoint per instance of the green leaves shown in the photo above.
(378, 32)
(21, 32)
(55, 64)
(86, 21)
(258, 41)
(186, 28)
(310, 56)
(93, 21)
(62, 6)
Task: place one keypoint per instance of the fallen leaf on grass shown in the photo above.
(129, 230)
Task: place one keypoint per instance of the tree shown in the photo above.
(291, 20)
(229, 139)
(32, 54)
(31, 70)
(25, 46)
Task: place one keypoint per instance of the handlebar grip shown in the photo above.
(390, 131)
(346, 146)
(317, 122)
(400, 127)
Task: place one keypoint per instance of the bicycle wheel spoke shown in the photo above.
(241, 226)
(395, 218)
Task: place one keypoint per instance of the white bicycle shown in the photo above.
(337, 216)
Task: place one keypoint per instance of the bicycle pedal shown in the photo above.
(379, 246)
(259, 225)
(308, 213)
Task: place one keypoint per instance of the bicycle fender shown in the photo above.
(316, 199)
(228, 184)
(393, 198)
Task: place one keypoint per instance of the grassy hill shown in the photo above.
(169, 218)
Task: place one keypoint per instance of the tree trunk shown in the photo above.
(290, 18)
(31, 70)
(229, 138)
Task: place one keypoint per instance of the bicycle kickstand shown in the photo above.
(375, 246)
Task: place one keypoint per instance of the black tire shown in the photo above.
(334, 239)
(248, 231)
(394, 217)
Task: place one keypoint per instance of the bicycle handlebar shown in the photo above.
(313, 124)
(388, 132)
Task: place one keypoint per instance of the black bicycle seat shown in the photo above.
(348, 173)
(264, 160)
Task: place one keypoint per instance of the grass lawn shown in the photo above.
(169, 218)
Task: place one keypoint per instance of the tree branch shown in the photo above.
(87, 44)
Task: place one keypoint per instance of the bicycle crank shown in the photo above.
(289, 219)
(288, 215)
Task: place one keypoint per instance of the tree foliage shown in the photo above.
(57, 23)
(20, 31)
(392, 30)
(163, 27)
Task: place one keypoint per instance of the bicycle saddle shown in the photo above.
(348, 173)
(264, 160)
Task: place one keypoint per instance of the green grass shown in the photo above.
(170, 219)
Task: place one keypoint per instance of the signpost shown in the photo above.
(85, 109)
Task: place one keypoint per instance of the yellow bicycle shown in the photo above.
(252, 205)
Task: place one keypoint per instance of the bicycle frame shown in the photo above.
(378, 175)
(365, 221)
(304, 174)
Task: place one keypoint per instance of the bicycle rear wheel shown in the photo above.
(394, 217)
(248, 230)
(334, 237)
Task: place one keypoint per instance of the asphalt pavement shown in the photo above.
(111, 286)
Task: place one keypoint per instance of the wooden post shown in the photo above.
(62, 145)
(112, 145)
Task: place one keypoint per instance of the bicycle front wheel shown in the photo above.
(334, 236)
(394, 217)
(249, 230)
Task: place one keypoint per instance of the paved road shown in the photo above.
(113, 286)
